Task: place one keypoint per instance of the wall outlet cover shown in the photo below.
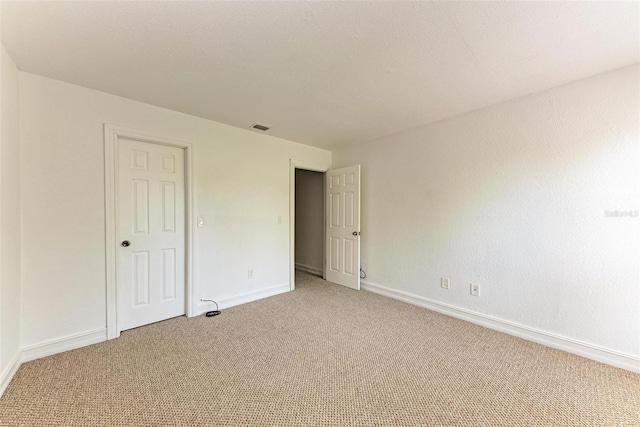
(475, 290)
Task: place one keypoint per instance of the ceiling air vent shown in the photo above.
(259, 127)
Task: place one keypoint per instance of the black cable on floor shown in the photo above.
(214, 312)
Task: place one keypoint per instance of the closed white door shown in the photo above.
(151, 233)
(343, 226)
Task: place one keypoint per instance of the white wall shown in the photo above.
(309, 224)
(242, 186)
(513, 197)
(9, 218)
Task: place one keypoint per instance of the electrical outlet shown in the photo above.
(251, 273)
(444, 282)
(475, 290)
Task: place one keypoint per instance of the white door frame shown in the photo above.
(293, 165)
(111, 135)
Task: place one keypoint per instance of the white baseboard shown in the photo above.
(309, 269)
(48, 348)
(10, 371)
(67, 343)
(244, 298)
(570, 345)
(71, 342)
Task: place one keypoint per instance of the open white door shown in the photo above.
(343, 226)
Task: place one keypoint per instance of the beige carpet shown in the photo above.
(322, 355)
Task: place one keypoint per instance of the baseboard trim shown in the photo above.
(570, 345)
(244, 298)
(70, 342)
(309, 269)
(10, 371)
(49, 348)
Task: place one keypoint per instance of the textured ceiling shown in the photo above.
(321, 73)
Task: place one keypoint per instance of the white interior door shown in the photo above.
(151, 233)
(343, 226)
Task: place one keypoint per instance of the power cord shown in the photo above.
(214, 312)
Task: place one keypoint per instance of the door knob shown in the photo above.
(356, 233)
(126, 243)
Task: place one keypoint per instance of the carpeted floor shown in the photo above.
(322, 355)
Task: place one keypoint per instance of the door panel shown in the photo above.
(348, 252)
(140, 261)
(168, 206)
(151, 270)
(140, 206)
(343, 220)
